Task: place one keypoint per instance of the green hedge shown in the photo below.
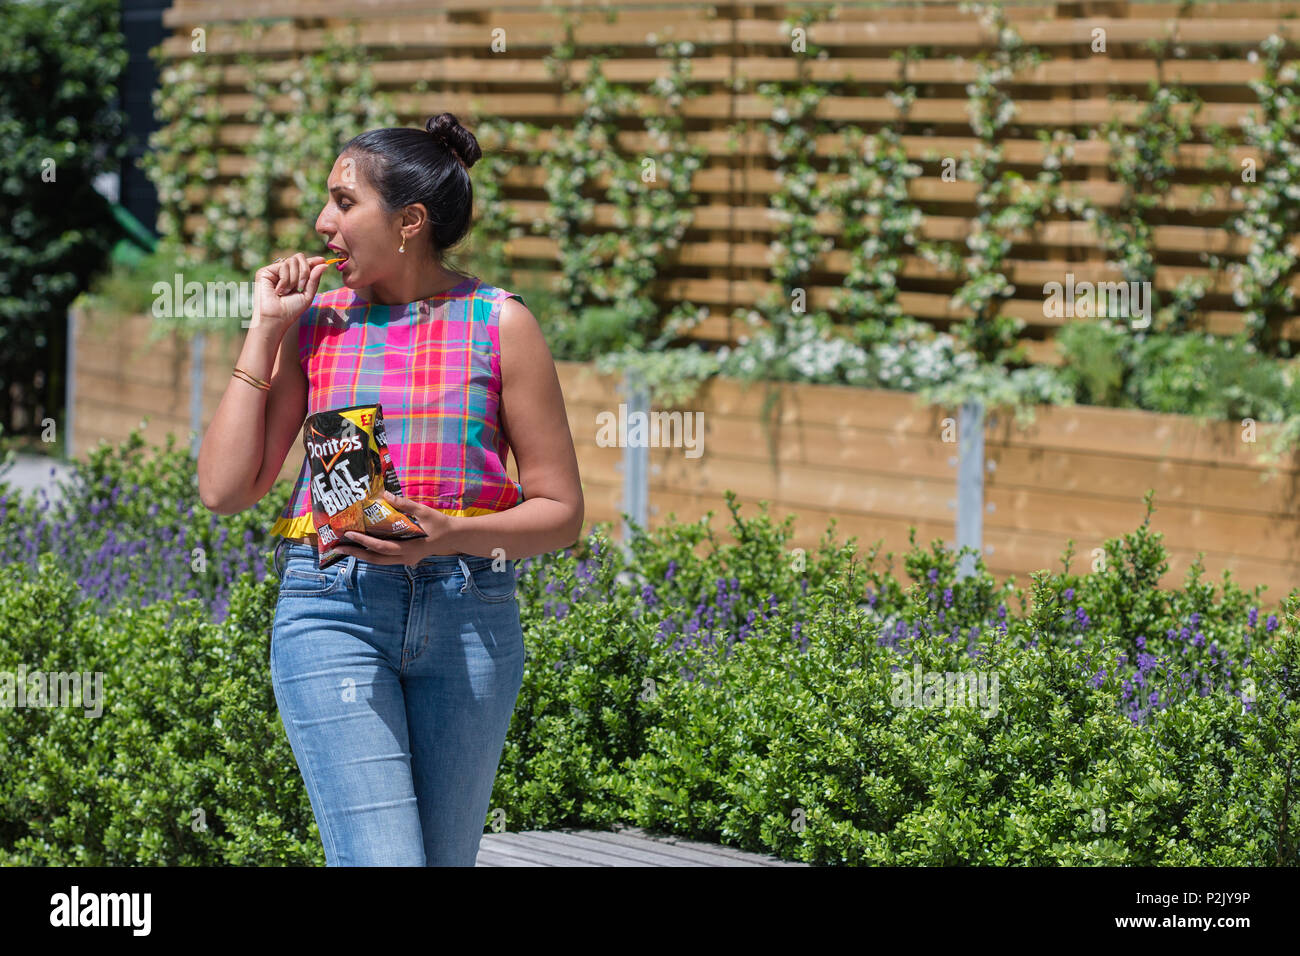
(747, 694)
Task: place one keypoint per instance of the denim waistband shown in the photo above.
(433, 565)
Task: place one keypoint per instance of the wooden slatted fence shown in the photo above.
(722, 264)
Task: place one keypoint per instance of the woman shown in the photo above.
(396, 670)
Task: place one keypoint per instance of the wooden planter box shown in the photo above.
(874, 460)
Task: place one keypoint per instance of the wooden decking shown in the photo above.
(629, 846)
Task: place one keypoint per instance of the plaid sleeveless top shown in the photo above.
(435, 367)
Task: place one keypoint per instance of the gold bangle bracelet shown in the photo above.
(245, 377)
(253, 379)
(248, 382)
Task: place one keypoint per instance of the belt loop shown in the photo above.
(464, 569)
(275, 558)
(350, 571)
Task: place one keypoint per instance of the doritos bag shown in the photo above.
(350, 467)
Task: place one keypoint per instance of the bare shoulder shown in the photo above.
(516, 316)
(522, 343)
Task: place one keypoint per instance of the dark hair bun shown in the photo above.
(446, 129)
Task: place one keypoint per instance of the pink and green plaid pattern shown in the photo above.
(435, 367)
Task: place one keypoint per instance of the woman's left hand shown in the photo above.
(410, 552)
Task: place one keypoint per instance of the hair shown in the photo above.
(429, 166)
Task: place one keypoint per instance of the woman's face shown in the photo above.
(355, 224)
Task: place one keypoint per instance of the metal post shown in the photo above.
(196, 392)
(70, 386)
(970, 484)
(636, 459)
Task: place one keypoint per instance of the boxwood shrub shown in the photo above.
(800, 704)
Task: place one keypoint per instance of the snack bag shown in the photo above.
(350, 465)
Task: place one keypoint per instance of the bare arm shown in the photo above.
(537, 427)
(252, 431)
(246, 443)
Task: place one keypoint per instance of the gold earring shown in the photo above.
(402, 247)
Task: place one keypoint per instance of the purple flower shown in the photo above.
(933, 575)
(1141, 641)
(947, 597)
(1195, 618)
(1069, 594)
(1271, 624)
(1253, 617)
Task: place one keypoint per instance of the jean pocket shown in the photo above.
(302, 582)
(493, 586)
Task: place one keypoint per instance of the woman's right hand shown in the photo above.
(284, 290)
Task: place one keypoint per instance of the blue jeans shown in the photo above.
(396, 686)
